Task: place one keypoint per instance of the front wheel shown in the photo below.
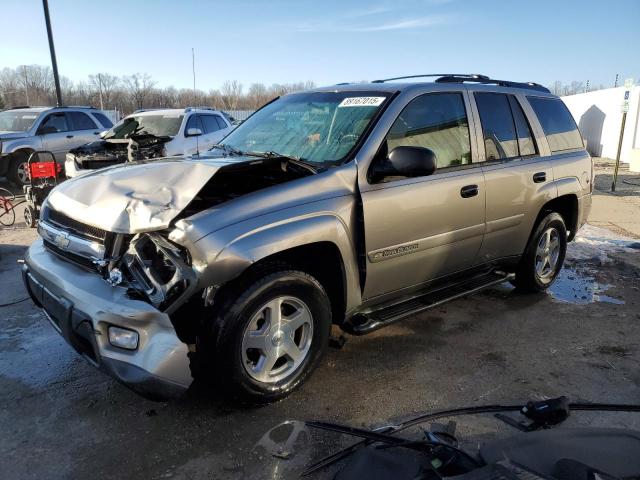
(270, 335)
(544, 255)
(18, 173)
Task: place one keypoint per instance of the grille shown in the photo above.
(79, 228)
(77, 259)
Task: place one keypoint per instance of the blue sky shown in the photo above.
(283, 41)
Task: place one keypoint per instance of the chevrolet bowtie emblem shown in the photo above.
(61, 240)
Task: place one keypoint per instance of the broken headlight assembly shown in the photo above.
(160, 269)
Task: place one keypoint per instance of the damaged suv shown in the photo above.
(149, 134)
(352, 205)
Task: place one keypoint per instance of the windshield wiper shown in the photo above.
(290, 158)
(227, 148)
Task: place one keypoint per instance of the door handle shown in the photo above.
(540, 177)
(469, 191)
(69, 136)
(96, 133)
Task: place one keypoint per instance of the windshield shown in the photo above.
(12, 121)
(318, 127)
(159, 125)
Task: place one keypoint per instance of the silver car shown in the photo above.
(24, 130)
(353, 205)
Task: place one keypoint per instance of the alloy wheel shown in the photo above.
(547, 254)
(277, 339)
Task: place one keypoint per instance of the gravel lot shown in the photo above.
(60, 418)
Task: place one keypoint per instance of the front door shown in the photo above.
(419, 229)
(55, 134)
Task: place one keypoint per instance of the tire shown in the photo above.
(544, 255)
(30, 216)
(17, 173)
(250, 360)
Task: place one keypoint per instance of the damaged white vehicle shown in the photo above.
(355, 205)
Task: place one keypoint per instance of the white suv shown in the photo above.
(151, 134)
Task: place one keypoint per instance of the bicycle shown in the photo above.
(7, 207)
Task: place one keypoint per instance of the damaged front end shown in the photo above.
(109, 152)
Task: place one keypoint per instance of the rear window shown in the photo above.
(81, 121)
(103, 119)
(558, 124)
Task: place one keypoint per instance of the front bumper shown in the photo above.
(81, 306)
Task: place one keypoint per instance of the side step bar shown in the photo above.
(370, 320)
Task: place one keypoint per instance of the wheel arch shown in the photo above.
(319, 245)
(567, 207)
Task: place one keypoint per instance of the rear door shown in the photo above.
(518, 178)
(421, 228)
(83, 129)
(54, 132)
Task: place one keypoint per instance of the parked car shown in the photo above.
(151, 134)
(24, 130)
(354, 205)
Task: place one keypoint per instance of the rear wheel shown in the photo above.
(544, 255)
(269, 335)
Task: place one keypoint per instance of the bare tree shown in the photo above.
(231, 93)
(104, 84)
(138, 86)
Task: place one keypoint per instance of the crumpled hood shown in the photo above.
(134, 198)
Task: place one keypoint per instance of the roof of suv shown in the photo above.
(45, 109)
(174, 111)
(442, 81)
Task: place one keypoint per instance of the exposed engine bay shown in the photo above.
(105, 153)
(153, 268)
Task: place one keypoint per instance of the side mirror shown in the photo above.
(103, 134)
(47, 129)
(407, 162)
(193, 132)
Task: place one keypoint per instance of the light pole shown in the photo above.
(52, 49)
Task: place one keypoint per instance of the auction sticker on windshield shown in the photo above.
(361, 102)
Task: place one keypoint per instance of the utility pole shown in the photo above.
(54, 63)
(26, 84)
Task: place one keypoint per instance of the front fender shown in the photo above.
(218, 260)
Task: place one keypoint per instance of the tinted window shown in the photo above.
(81, 121)
(498, 129)
(103, 119)
(210, 123)
(437, 121)
(56, 122)
(194, 122)
(525, 138)
(557, 123)
(221, 123)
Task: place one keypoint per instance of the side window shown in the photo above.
(525, 137)
(103, 119)
(54, 123)
(221, 123)
(498, 129)
(210, 124)
(437, 121)
(557, 123)
(81, 121)
(194, 122)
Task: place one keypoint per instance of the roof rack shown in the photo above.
(471, 77)
(190, 109)
(76, 106)
(466, 75)
(491, 81)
